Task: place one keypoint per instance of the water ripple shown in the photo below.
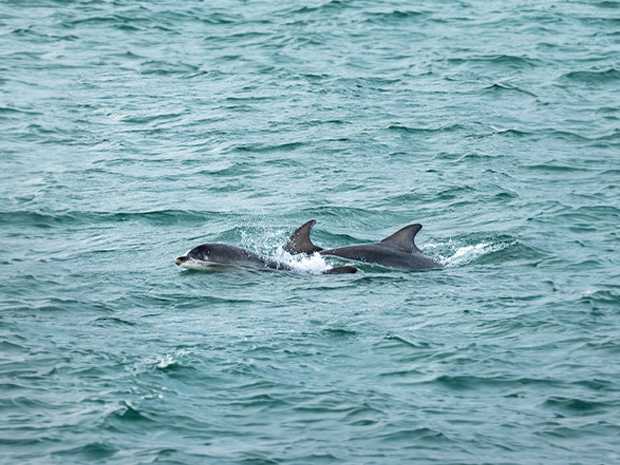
(132, 131)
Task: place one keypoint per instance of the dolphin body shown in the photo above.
(220, 256)
(395, 251)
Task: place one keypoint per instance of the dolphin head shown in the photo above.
(213, 256)
(198, 257)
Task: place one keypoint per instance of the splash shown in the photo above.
(269, 243)
(302, 263)
(262, 239)
(167, 360)
(451, 255)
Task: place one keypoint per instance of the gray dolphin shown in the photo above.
(396, 251)
(214, 256)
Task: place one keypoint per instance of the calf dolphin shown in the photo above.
(215, 256)
(395, 251)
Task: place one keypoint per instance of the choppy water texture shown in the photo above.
(133, 131)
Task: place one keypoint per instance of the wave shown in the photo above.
(53, 219)
(91, 451)
(414, 130)
(9, 110)
(582, 217)
(610, 138)
(325, 6)
(391, 16)
(339, 332)
(499, 87)
(606, 4)
(553, 167)
(511, 61)
(127, 412)
(145, 119)
(610, 75)
(573, 406)
(164, 68)
(423, 434)
(227, 169)
(495, 131)
(261, 148)
(601, 297)
(108, 320)
(218, 19)
(131, 22)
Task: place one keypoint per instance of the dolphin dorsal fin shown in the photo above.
(403, 239)
(300, 242)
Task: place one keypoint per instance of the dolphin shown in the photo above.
(219, 256)
(395, 251)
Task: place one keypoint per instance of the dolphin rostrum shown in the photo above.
(395, 251)
(215, 256)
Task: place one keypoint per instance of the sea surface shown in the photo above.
(132, 131)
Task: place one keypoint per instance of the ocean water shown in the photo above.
(131, 131)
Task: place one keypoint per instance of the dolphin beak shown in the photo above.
(180, 260)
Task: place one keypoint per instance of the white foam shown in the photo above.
(166, 360)
(302, 263)
(263, 245)
(457, 256)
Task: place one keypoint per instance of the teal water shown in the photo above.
(132, 131)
